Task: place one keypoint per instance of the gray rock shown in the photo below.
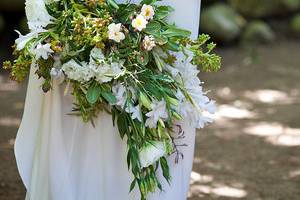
(265, 8)
(222, 22)
(258, 32)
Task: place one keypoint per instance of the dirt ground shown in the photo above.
(251, 152)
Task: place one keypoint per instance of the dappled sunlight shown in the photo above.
(218, 190)
(264, 129)
(10, 121)
(196, 177)
(225, 93)
(233, 112)
(269, 96)
(275, 133)
(294, 173)
(286, 139)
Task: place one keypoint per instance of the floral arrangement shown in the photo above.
(125, 59)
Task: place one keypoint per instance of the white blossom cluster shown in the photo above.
(103, 71)
(196, 113)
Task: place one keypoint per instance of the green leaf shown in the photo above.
(158, 61)
(161, 39)
(145, 101)
(153, 28)
(173, 46)
(122, 124)
(165, 168)
(108, 96)
(132, 185)
(129, 157)
(148, 2)
(113, 4)
(125, 12)
(93, 94)
(173, 31)
(163, 11)
(164, 78)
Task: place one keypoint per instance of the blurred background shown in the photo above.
(252, 151)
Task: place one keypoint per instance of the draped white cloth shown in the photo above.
(61, 158)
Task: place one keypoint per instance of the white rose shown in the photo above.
(139, 23)
(114, 32)
(151, 153)
(147, 11)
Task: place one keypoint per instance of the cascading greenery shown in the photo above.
(142, 45)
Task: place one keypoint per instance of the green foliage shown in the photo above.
(20, 67)
(203, 56)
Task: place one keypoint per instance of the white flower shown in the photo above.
(151, 153)
(158, 112)
(24, 39)
(114, 32)
(105, 72)
(148, 43)
(119, 91)
(37, 14)
(139, 22)
(101, 69)
(96, 55)
(147, 11)
(42, 51)
(135, 111)
(211, 106)
(197, 113)
(79, 72)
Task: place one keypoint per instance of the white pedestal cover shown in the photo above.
(61, 158)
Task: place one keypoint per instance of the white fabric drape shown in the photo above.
(61, 158)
